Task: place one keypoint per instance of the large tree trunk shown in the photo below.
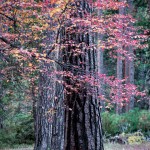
(83, 124)
(49, 116)
(83, 129)
(50, 109)
(79, 127)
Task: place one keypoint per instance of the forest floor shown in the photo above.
(144, 146)
(19, 147)
(108, 146)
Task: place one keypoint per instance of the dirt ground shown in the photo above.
(108, 146)
(144, 146)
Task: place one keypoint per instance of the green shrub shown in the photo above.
(130, 122)
(7, 137)
(24, 129)
(110, 123)
(132, 118)
(18, 130)
(144, 121)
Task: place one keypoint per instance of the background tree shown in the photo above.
(130, 63)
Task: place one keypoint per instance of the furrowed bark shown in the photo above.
(79, 126)
(83, 129)
(49, 112)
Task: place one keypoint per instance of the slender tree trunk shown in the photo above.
(119, 76)
(131, 78)
(1, 95)
(100, 65)
(130, 63)
(34, 99)
(119, 69)
(147, 83)
(126, 75)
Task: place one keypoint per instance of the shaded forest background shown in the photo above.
(19, 92)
